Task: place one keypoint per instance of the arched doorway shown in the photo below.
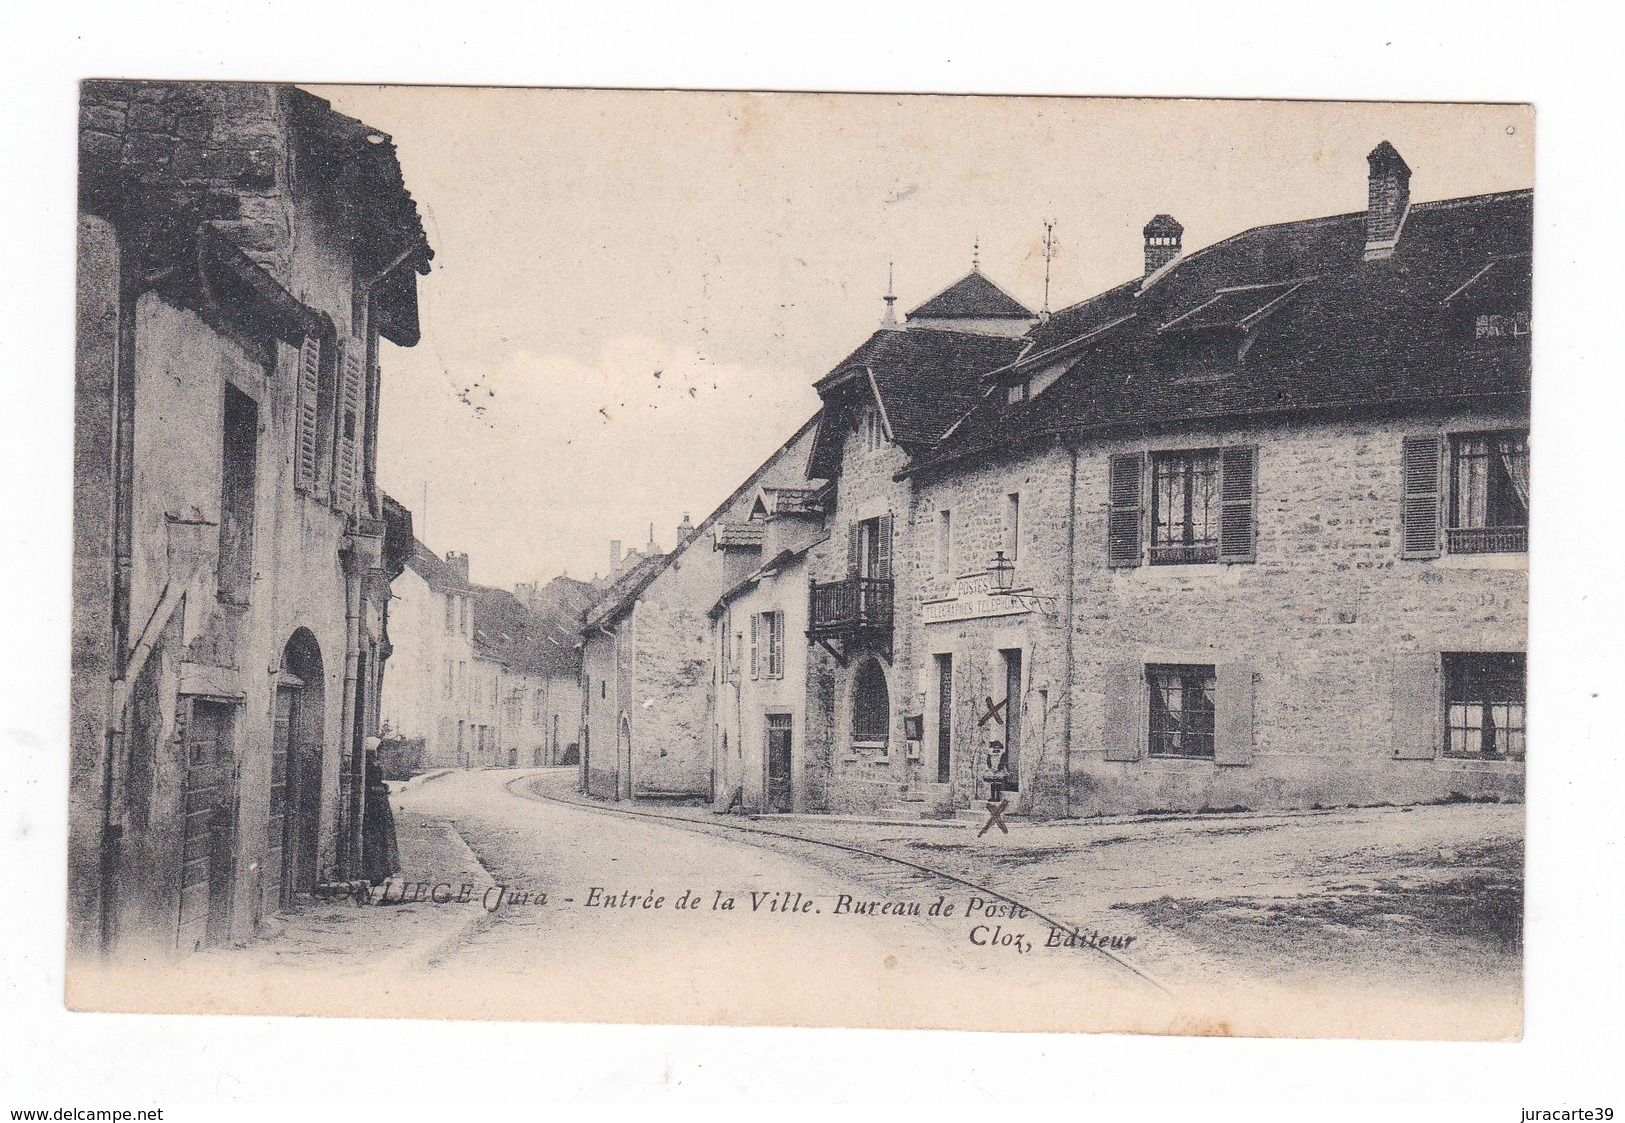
(295, 824)
(871, 706)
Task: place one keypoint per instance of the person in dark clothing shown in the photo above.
(380, 853)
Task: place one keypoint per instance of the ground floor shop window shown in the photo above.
(1181, 709)
(1484, 705)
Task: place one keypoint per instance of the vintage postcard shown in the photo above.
(987, 563)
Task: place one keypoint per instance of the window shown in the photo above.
(945, 543)
(536, 708)
(1012, 526)
(1484, 705)
(447, 686)
(869, 550)
(1202, 504)
(603, 688)
(1019, 391)
(451, 614)
(874, 430)
(1489, 493)
(945, 715)
(462, 680)
(238, 455)
(871, 706)
(1184, 507)
(773, 626)
(462, 615)
(1181, 709)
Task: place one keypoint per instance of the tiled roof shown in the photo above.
(972, 297)
(748, 535)
(1289, 318)
(434, 570)
(926, 379)
(626, 589)
(505, 630)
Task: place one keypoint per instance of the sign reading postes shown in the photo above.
(973, 600)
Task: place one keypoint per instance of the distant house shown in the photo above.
(648, 679)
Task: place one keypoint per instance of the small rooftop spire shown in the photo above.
(976, 255)
(889, 320)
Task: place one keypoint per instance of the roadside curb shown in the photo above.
(417, 957)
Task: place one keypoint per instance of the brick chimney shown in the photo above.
(1162, 236)
(1388, 197)
(459, 564)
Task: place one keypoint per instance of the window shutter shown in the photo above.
(1233, 716)
(883, 551)
(852, 532)
(1419, 533)
(775, 639)
(755, 644)
(1238, 487)
(306, 389)
(1416, 706)
(1125, 698)
(1123, 518)
(347, 449)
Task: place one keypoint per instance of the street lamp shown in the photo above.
(1003, 572)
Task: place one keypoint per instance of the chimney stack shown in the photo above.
(1388, 197)
(459, 564)
(685, 529)
(614, 554)
(1162, 235)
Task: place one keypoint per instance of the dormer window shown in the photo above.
(1019, 391)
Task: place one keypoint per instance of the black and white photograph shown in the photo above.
(802, 559)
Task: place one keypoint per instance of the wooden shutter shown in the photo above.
(347, 448)
(775, 645)
(306, 390)
(883, 550)
(1125, 700)
(1233, 714)
(1424, 471)
(1123, 518)
(755, 644)
(1238, 488)
(852, 532)
(1416, 705)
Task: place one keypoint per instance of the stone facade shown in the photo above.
(649, 710)
(233, 555)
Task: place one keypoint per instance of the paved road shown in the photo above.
(812, 936)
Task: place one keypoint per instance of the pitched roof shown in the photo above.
(1287, 318)
(434, 570)
(972, 297)
(926, 379)
(625, 589)
(507, 631)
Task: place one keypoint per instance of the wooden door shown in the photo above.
(1012, 717)
(277, 885)
(945, 716)
(207, 826)
(779, 796)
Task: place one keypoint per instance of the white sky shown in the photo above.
(738, 245)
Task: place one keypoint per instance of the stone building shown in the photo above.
(648, 706)
(243, 249)
(759, 654)
(425, 711)
(889, 402)
(1271, 548)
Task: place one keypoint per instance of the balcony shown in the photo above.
(850, 612)
(1488, 540)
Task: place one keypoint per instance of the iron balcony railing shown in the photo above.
(1488, 540)
(850, 605)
